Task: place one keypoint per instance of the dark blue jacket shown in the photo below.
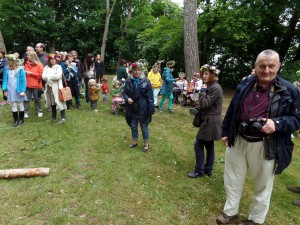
(284, 111)
(143, 96)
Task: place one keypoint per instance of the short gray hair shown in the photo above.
(268, 53)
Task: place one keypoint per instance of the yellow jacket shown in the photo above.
(155, 79)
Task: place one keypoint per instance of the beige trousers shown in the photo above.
(238, 159)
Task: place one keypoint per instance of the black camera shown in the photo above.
(254, 125)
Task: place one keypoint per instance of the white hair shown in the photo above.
(268, 53)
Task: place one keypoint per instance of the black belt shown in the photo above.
(251, 138)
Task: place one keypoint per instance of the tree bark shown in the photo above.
(191, 52)
(107, 19)
(18, 173)
(2, 45)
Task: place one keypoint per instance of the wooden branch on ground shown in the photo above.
(18, 173)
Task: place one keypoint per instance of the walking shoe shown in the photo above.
(133, 145)
(62, 121)
(194, 174)
(78, 106)
(208, 173)
(16, 123)
(51, 120)
(145, 148)
(40, 114)
(249, 222)
(160, 110)
(171, 111)
(296, 203)
(294, 189)
(26, 115)
(224, 219)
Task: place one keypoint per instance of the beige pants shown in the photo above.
(238, 159)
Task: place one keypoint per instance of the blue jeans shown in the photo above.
(134, 129)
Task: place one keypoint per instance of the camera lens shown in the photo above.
(256, 126)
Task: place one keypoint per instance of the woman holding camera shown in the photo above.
(210, 100)
(138, 96)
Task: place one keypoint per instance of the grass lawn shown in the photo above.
(96, 179)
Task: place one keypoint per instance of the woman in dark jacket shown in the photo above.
(210, 100)
(138, 96)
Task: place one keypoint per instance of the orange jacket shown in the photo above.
(34, 80)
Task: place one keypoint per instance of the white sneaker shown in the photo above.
(62, 121)
(40, 114)
(26, 115)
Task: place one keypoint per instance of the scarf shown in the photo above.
(136, 82)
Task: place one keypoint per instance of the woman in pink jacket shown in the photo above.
(34, 70)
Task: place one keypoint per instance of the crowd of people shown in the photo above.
(38, 74)
(256, 130)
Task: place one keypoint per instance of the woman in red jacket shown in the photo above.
(34, 69)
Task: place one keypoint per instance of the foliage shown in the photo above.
(95, 179)
(163, 41)
(290, 71)
(230, 33)
(64, 25)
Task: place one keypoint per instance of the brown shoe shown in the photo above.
(294, 189)
(296, 203)
(224, 219)
(249, 222)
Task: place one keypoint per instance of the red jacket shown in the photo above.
(34, 80)
(104, 88)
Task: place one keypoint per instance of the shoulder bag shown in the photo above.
(64, 93)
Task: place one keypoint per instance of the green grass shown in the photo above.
(95, 179)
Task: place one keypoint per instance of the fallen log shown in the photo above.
(18, 173)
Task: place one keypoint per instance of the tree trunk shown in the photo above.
(2, 45)
(191, 53)
(107, 19)
(123, 27)
(17, 173)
